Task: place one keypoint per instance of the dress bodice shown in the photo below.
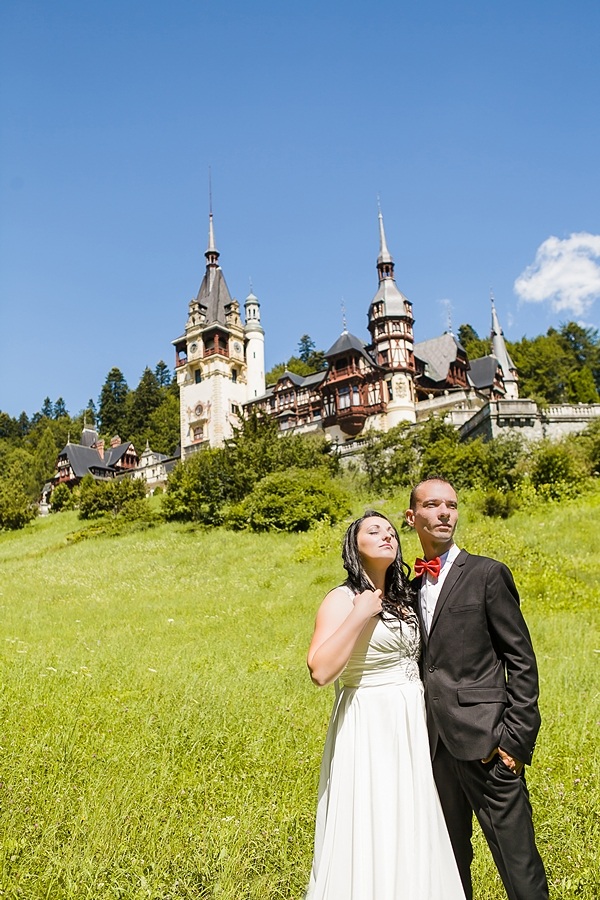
(387, 652)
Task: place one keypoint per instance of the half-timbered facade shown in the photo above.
(90, 457)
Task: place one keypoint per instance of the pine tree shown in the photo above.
(112, 403)
(164, 435)
(45, 458)
(163, 373)
(59, 409)
(24, 424)
(143, 401)
(90, 412)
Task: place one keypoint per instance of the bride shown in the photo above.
(380, 832)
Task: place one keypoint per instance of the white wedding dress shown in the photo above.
(380, 831)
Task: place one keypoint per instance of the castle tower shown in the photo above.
(211, 361)
(509, 371)
(255, 348)
(391, 327)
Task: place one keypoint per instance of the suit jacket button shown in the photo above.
(432, 668)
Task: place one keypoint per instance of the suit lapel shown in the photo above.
(450, 580)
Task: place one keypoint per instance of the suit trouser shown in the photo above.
(500, 801)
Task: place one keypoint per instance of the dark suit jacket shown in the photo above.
(479, 668)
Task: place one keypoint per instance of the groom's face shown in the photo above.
(434, 515)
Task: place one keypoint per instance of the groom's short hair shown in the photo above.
(413, 494)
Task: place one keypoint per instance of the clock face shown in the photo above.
(199, 409)
(193, 347)
(237, 347)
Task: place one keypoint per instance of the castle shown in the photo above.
(220, 368)
(365, 386)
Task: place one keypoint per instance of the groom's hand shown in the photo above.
(515, 765)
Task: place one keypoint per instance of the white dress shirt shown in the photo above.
(431, 587)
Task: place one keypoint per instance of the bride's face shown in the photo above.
(376, 541)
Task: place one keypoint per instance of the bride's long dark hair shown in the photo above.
(399, 599)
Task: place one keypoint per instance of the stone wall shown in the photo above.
(524, 417)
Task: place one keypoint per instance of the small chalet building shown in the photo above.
(89, 457)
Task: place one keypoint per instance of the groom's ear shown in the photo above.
(410, 517)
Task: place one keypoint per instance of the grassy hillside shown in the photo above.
(160, 737)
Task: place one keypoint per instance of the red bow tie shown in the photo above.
(433, 566)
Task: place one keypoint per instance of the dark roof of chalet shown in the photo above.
(482, 373)
(82, 459)
(437, 354)
(348, 342)
(215, 297)
(113, 454)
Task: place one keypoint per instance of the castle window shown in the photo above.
(344, 398)
(235, 409)
(355, 395)
(197, 376)
(197, 433)
(234, 375)
(374, 394)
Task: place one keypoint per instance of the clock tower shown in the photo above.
(391, 326)
(211, 360)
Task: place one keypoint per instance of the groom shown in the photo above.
(481, 691)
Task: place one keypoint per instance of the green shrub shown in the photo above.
(497, 504)
(209, 486)
(97, 498)
(556, 471)
(62, 498)
(16, 509)
(198, 488)
(290, 501)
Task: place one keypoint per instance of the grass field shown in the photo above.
(160, 737)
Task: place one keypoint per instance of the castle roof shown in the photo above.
(347, 343)
(214, 295)
(437, 354)
(482, 373)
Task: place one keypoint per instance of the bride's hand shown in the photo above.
(369, 603)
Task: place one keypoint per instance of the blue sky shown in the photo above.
(476, 123)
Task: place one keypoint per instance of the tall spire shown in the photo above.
(211, 254)
(385, 260)
(499, 350)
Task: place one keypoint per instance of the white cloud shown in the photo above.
(565, 272)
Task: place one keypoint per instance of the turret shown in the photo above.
(499, 350)
(255, 348)
(391, 326)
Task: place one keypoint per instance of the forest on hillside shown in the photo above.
(561, 366)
